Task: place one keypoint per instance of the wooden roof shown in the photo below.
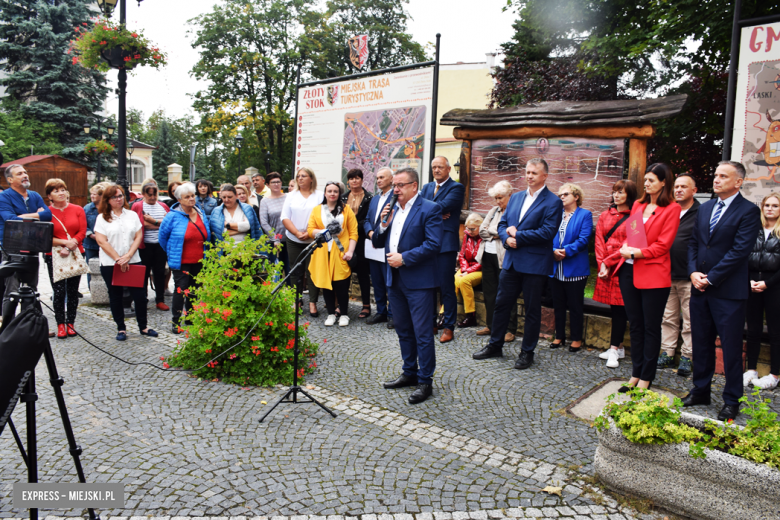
(37, 158)
(569, 113)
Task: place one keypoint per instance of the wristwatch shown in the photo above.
(632, 255)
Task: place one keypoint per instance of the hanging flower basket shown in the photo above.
(97, 147)
(107, 45)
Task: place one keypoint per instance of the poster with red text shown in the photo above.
(366, 123)
(756, 142)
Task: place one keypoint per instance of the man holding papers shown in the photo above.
(376, 257)
(645, 270)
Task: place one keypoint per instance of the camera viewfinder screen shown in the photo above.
(27, 237)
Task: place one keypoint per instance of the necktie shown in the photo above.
(716, 216)
(436, 190)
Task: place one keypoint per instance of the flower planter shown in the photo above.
(116, 57)
(721, 486)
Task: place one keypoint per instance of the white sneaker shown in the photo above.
(767, 382)
(330, 320)
(621, 353)
(749, 376)
(612, 360)
(343, 320)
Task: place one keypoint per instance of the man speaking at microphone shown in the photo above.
(411, 234)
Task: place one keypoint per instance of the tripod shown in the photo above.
(29, 301)
(295, 389)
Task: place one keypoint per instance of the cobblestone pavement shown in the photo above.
(483, 447)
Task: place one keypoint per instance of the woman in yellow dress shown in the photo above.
(328, 267)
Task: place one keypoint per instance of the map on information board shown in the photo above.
(391, 138)
(756, 142)
(367, 123)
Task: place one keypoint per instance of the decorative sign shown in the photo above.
(756, 142)
(595, 165)
(358, 50)
(366, 123)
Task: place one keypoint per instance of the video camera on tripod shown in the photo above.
(24, 339)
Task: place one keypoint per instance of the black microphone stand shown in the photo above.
(295, 389)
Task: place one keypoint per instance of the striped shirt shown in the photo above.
(559, 265)
(157, 212)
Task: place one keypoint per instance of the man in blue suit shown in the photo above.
(411, 237)
(448, 194)
(527, 230)
(384, 183)
(724, 234)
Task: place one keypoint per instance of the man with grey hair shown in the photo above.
(723, 237)
(376, 257)
(448, 194)
(19, 203)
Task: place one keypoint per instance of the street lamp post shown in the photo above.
(108, 6)
(239, 144)
(110, 129)
(267, 162)
(130, 150)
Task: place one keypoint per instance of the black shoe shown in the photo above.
(557, 345)
(390, 323)
(488, 351)
(684, 369)
(80, 295)
(422, 393)
(625, 389)
(525, 360)
(376, 318)
(728, 412)
(693, 400)
(176, 330)
(574, 349)
(402, 381)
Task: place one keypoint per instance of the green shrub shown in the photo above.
(647, 418)
(227, 305)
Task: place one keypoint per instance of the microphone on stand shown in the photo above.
(392, 202)
(334, 229)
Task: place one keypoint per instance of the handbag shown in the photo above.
(66, 266)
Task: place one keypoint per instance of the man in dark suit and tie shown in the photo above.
(448, 194)
(723, 236)
(527, 229)
(411, 237)
(384, 185)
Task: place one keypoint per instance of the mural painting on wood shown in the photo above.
(593, 164)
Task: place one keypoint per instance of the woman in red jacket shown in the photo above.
(70, 228)
(646, 274)
(610, 237)
(470, 272)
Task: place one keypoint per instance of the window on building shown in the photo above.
(136, 171)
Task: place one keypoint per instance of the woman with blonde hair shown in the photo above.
(764, 297)
(491, 258)
(296, 210)
(572, 266)
(470, 270)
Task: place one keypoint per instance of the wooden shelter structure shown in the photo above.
(41, 168)
(584, 142)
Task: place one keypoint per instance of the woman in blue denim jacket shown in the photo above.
(206, 200)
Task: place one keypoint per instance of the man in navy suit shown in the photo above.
(724, 234)
(411, 237)
(448, 194)
(527, 230)
(384, 183)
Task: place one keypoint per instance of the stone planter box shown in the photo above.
(722, 486)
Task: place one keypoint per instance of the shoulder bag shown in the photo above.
(66, 266)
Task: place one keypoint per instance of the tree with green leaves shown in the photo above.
(41, 80)
(20, 133)
(639, 49)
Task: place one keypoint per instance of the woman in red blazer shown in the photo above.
(646, 274)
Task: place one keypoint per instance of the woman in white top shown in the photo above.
(119, 232)
(295, 218)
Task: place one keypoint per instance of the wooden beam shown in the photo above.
(637, 163)
(597, 132)
(465, 170)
